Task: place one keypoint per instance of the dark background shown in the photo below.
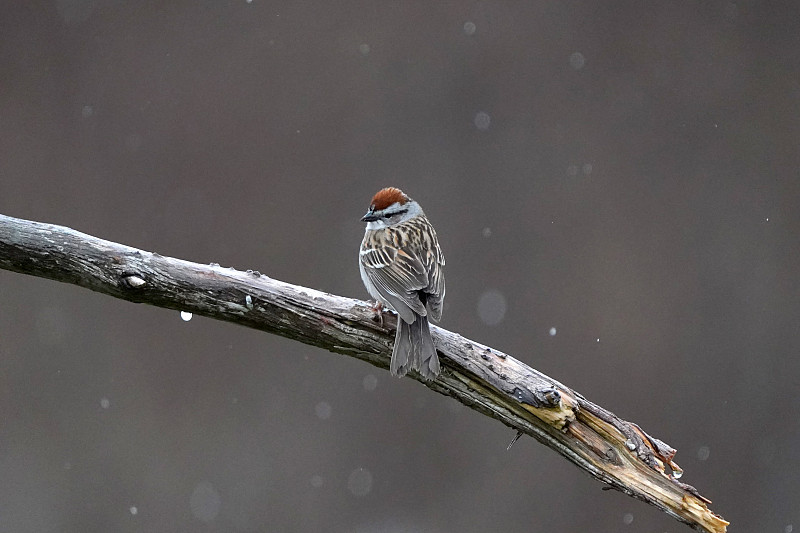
(626, 172)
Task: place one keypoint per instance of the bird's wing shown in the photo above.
(398, 276)
(436, 288)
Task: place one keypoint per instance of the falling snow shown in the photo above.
(492, 307)
(323, 410)
(359, 483)
(370, 382)
(576, 60)
(482, 120)
(703, 452)
(204, 502)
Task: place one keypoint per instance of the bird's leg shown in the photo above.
(377, 308)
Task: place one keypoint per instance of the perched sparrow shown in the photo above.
(402, 268)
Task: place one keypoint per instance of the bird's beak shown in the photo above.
(369, 217)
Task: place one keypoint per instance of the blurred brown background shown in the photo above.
(623, 172)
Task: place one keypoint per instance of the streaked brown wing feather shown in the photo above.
(397, 277)
(402, 268)
(435, 291)
(435, 265)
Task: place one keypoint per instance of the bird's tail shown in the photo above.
(413, 348)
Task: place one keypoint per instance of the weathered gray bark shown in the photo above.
(616, 452)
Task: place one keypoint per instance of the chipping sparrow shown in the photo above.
(402, 268)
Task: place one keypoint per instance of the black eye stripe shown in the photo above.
(394, 214)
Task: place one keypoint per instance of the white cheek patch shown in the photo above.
(377, 224)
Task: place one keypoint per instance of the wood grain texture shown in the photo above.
(614, 451)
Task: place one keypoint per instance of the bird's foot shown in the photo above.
(378, 308)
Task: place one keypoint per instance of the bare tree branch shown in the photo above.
(614, 451)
